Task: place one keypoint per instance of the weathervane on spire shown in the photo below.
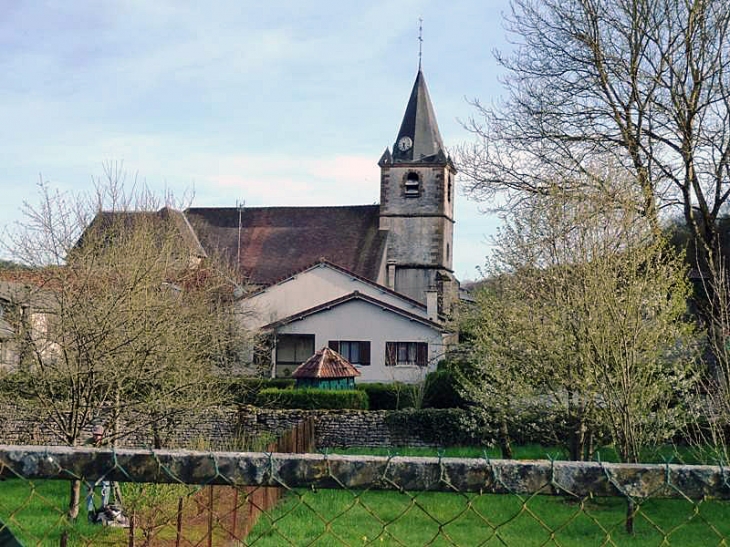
(420, 41)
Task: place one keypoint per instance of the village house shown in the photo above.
(25, 311)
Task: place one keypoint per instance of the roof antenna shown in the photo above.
(420, 41)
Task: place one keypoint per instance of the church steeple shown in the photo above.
(419, 139)
(417, 206)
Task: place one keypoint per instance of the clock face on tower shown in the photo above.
(405, 143)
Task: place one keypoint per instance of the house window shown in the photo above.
(413, 185)
(406, 353)
(294, 348)
(357, 352)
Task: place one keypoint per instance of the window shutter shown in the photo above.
(364, 353)
(390, 353)
(334, 345)
(421, 354)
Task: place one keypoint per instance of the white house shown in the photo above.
(320, 282)
(384, 342)
(386, 335)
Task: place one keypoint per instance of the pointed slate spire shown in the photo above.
(419, 138)
(385, 159)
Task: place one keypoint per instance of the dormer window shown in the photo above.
(413, 185)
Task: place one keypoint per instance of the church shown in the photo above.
(374, 282)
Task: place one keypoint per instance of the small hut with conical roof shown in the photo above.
(326, 369)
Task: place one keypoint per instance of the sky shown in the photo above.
(265, 103)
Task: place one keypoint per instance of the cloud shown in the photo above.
(293, 180)
(282, 102)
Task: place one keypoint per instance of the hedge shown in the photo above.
(245, 391)
(441, 426)
(393, 396)
(454, 426)
(312, 399)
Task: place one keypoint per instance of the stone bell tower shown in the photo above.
(417, 207)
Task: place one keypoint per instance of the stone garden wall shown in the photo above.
(250, 428)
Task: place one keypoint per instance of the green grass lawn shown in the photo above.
(394, 518)
(663, 454)
(329, 517)
(35, 513)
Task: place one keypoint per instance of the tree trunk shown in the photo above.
(588, 445)
(74, 500)
(577, 441)
(505, 446)
(630, 510)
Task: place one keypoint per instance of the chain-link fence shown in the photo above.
(234, 498)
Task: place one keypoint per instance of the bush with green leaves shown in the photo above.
(442, 390)
(245, 391)
(312, 399)
(392, 396)
(441, 426)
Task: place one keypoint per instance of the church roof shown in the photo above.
(275, 241)
(419, 124)
(105, 222)
(326, 363)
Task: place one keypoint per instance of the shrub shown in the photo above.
(531, 425)
(393, 396)
(245, 391)
(441, 426)
(312, 399)
(442, 391)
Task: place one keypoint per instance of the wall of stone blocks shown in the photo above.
(242, 429)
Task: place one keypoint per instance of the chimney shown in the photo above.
(391, 274)
(432, 304)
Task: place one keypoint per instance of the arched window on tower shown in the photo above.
(413, 185)
(450, 188)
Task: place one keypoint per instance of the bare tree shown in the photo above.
(141, 325)
(642, 84)
(711, 432)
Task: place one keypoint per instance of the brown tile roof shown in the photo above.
(106, 220)
(35, 278)
(275, 241)
(326, 363)
(30, 291)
